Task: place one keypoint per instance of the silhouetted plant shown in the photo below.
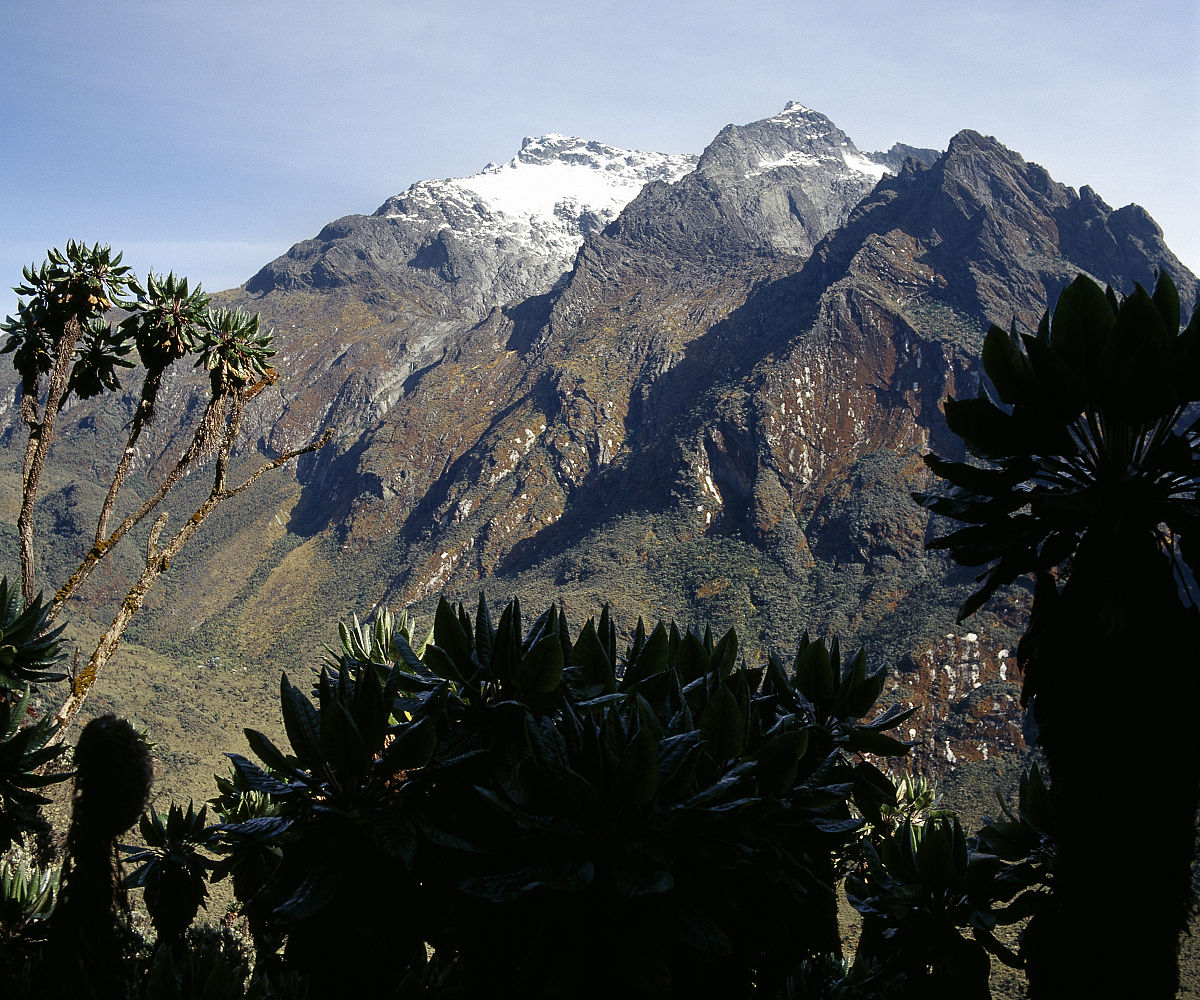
(924, 886)
(29, 649)
(1090, 484)
(24, 751)
(28, 894)
(28, 645)
(246, 842)
(521, 799)
(171, 868)
(345, 842)
(90, 937)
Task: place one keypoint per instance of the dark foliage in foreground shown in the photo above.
(503, 807)
(523, 804)
(529, 792)
(1090, 483)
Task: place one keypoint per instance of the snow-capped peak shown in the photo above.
(809, 139)
(555, 170)
(545, 199)
(791, 110)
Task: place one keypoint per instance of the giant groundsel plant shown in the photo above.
(1087, 477)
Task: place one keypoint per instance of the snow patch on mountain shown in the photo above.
(864, 165)
(543, 201)
(792, 158)
(791, 110)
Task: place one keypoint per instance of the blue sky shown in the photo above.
(209, 138)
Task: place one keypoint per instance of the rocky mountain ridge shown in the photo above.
(705, 399)
(507, 232)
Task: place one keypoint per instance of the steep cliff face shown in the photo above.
(966, 692)
(891, 313)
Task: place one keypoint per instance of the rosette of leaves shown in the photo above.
(29, 341)
(77, 285)
(101, 351)
(171, 868)
(916, 797)
(28, 892)
(915, 894)
(237, 802)
(211, 965)
(492, 675)
(234, 350)
(835, 700)
(1092, 432)
(24, 751)
(345, 840)
(488, 664)
(28, 647)
(668, 811)
(164, 322)
(163, 327)
(74, 283)
(928, 885)
(378, 643)
(837, 697)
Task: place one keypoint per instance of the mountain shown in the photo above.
(694, 387)
(504, 233)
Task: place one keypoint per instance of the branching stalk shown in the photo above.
(201, 442)
(141, 417)
(41, 434)
(157, 562)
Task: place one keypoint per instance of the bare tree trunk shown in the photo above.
(202, 440)
(145, 410)
(29, 417)
(41, 434)
(159, 560)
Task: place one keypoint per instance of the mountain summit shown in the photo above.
(790, 179)
(512, 231)
(507, 232)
